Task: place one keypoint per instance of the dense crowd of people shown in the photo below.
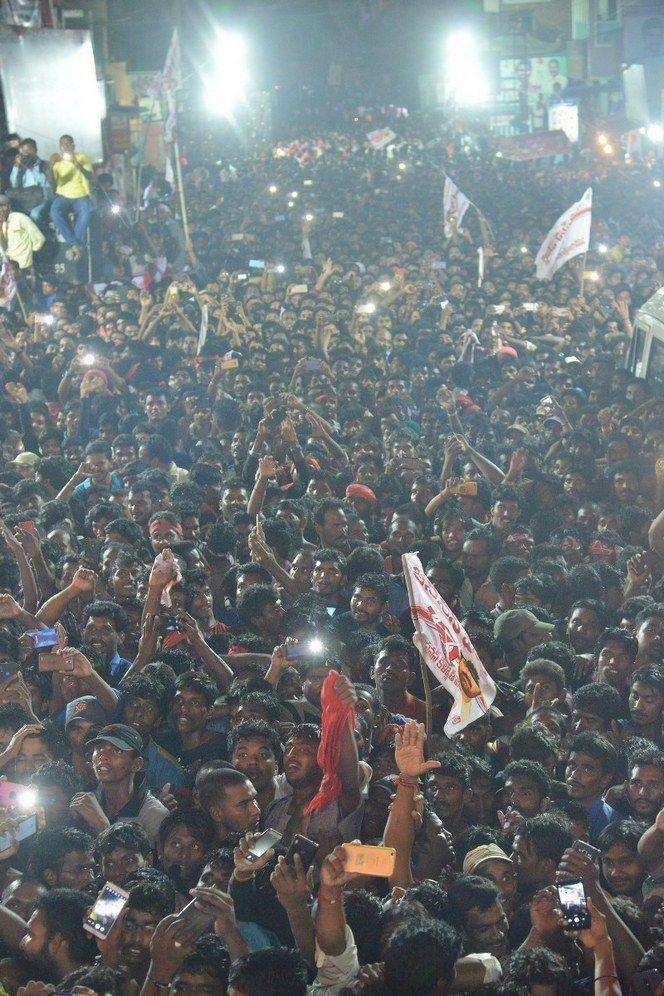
(213, 460)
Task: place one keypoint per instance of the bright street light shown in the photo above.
(225, 87)
(602, 248)
(465, 82)
(272, 188)
(655, 132)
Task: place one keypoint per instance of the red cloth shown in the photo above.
(336, 715)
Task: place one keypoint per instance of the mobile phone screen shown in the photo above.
(107, 908)
(573, 903)
(266, 840)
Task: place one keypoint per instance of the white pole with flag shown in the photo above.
(569, 237)
(455, 205)
(446, 650)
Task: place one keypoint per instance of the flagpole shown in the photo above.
(183, 203)
(581, 274)
(428, 702)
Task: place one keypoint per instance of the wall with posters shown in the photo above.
(531, 78)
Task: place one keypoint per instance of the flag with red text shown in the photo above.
(455, 204)
(569, 237)
(446, 648)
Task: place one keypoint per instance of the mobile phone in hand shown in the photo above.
(573, 903)
(108, 906)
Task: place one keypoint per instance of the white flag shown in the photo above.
(447, 650)
(169, 78)
(480, 265)
(381, 137)
(569, 237)
(454, 205)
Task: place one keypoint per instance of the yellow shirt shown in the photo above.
(22, 238)
(69, 181)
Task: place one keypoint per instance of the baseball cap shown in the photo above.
(88, 708)
(121, 736)
(361, 491)
(479, 855)
(26, 459)
(514, 622)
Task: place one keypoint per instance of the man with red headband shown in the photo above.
(165, 530)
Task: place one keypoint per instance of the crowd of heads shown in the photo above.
(213, 460)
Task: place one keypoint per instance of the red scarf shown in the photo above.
(336, 715)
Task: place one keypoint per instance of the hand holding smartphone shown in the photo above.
(107, 907)
(574, 904)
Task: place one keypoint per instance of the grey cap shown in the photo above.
(512, 623)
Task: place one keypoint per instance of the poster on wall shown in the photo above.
(564, 116)
(538, 80)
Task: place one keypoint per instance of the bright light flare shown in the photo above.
(385, 285)
(465, 80)
(316, 646)
(608, 149)
(657, 184)
(602, 248)
(115, 209)
(602, 139)
(655, 132)
(272, 188)
(225, 88)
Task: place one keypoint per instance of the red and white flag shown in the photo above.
(446, 648)
(7, 285)
(569, 237)
(381, 137)
(454, 205)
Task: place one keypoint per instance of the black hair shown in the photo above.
(57, 774)
(131, 836)
(64, 911)
(548, 834)
(156, 895)
(126, 528)
(99, 978)
(253, 601)
(528, 967)
(560, 653)
(627, 832)
(143, 686)
(109, 610)
(599, 699)
(531, 769)
(454, 766)
(271, 972)
(196, 821)
(196, 681)
(396, 644)
(532, 740)
(211, 785)
(617, 635)
(365, 917)
(421, 954)
(12, 715)
(651, 675)
(378, 583)
(210, 957)
(50, 847)
(255, 730)
(469, 892)
(597, 747)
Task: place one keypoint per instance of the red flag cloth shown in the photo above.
(336, 715)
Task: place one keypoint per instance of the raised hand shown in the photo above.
(409, 751)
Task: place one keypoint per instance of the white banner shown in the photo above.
(569, 237)
(381, 137)
(454, 204)
(446, 648)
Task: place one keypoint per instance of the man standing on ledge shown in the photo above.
(71, 172)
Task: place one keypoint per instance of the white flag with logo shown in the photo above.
(446, 648)
(455, 204)
(381, 137)
(569, 237)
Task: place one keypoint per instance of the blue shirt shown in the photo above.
(29, 176)
(117, 668)
(600, 814)
(80, 492)
(161, 767)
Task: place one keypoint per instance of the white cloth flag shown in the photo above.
(569, 237)
(447, 650)
(480, 265)
(454, 204)
(381, 137)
